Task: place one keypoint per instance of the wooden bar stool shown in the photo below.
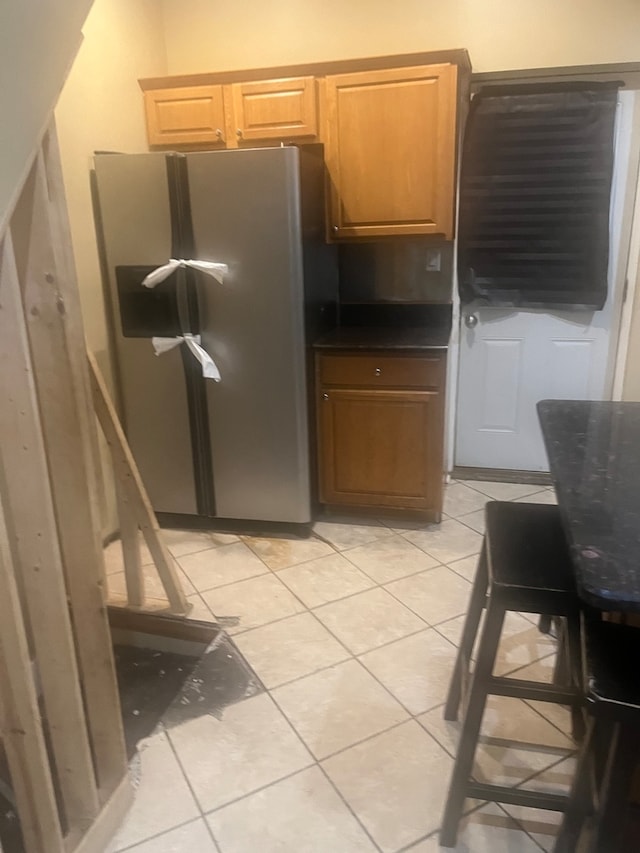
(610, 752)
(525, 566)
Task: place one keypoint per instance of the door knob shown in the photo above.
(471, 320)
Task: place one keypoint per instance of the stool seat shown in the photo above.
(528, 547)
(525, 566)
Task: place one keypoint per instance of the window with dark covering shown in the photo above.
(534, 196)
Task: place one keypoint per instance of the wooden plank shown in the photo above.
(37, 553)
(130, 548)
(108, 821)
(20, 723)
(74, 328)
(54, 326)
(127, 472)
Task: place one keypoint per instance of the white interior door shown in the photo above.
(510, 359)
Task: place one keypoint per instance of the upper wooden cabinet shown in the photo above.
(189, 115)
(275, 109)
(229, 115)
(390, 139)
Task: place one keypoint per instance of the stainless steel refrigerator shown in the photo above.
(211, 452)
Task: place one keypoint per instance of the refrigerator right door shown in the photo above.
(245, 207)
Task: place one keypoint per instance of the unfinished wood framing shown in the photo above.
(132, 494)
(60, 718)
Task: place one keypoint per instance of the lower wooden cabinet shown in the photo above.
(380, 430)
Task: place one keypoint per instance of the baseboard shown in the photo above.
(502, 475)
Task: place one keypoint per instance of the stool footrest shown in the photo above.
(517, 796)
(520, 689)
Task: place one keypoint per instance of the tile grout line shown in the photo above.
(519, 825)
(190, 786)
(348, 807)
(132, 847)
(402, 577)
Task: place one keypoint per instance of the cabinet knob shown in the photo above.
(335, 229)
(325, 396)
(378, 371)
(218, 133)
(239, 133)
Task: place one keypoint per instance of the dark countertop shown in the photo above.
(594, 456)
(391, 338)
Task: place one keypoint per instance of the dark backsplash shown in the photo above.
(387, 315)
(396, 271)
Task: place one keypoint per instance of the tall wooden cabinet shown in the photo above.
(390, 138)
(380, 430)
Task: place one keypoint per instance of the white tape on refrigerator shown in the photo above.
(209, 367)
(217, 271)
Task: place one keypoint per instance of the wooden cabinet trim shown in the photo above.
(459, 57)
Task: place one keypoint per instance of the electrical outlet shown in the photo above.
(433, 261)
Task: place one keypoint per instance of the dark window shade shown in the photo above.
(534, 196)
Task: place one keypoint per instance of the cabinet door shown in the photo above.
(390, 147)
(275, 109)
(380, 448)
(189, 115)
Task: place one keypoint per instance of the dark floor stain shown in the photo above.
(157, 687)
(222, 677)
(148, 681)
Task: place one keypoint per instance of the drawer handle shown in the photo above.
(378, 371)
(325, 396)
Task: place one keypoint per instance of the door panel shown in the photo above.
(500, 392)
(509, 361)
(133, 189)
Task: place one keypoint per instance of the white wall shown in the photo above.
(209, 35)
(101, 108)
(38, 40)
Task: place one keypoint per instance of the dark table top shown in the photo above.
(594, 457)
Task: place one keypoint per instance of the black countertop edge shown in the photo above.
(387, 338)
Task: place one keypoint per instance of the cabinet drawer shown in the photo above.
(382, 371)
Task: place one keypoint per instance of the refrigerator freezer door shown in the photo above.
(245, 206)
(136, 229)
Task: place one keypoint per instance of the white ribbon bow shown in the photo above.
(209, 368)
(218, 271)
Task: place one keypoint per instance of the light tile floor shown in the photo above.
(353, 633)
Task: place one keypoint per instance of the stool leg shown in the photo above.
(579, 803)
(562, 668)
(573, 651)
(613, 792)
(470, 730)
(469, 632)
(544, 624)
